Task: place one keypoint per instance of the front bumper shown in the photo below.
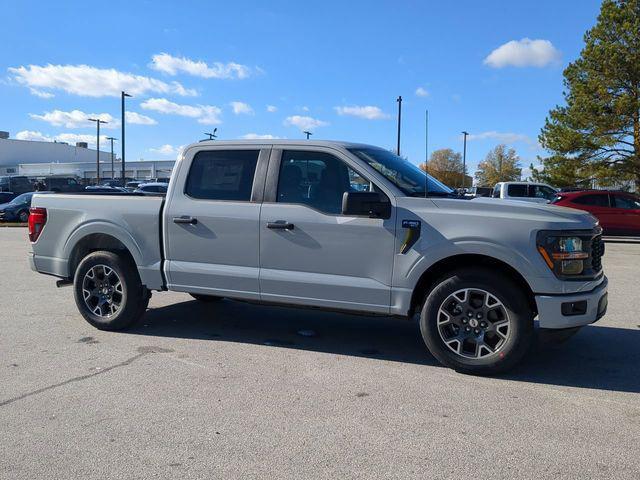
(593, 303)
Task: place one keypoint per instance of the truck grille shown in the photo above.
(597, 250)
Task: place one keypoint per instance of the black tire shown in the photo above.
(23, 216)
(133, 296)
(516, 335)
(205, 298)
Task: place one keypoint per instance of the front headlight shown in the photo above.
(566, 254)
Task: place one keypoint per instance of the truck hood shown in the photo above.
(534, 215)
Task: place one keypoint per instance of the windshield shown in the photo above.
(402, 173)
(24, 198)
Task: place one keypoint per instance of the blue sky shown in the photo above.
(333, 67)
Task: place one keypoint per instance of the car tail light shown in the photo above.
(37, 219)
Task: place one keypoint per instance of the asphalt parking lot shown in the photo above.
(232, 390)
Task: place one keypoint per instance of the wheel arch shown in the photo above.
(93, 242)
(431, 275)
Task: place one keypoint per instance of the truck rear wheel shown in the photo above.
(477, 321)
(108, 291)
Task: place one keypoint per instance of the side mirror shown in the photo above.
(368, 204)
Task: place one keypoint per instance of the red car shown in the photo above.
(618, 212)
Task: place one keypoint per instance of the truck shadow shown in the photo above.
(597, 357)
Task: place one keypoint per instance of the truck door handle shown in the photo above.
(185, 219)
(280, 225)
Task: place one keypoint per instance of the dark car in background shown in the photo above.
(16, 184)
(6, 197)
(61, 184)
(17, 210)
(618, 212)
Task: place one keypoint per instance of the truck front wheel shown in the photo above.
(477, 321)
(108, 291)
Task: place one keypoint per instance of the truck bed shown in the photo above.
(92, 220)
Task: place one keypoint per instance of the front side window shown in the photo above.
(596, 200)
(542, 191)
(317, 179)
(627, 203)
(222, 175)
(409, 178)
(496, 191)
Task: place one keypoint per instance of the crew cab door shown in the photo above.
(211, 221)
(312, 254)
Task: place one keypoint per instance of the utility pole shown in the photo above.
(113, 172)
(98, 122)
(308, 134)
(464, 159)
(426, 153)
(399, 100)
(122, 96)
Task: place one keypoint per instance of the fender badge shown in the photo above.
(411, 224)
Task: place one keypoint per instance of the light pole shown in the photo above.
(464, 159)
(122, 96)
(98, 122)
(399, 100)
(113, 172)
(308, 134)
(426, 153)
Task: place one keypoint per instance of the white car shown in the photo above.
(525, 191)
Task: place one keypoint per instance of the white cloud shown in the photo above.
(70, 138)
(272, 108)
(139, 119)
(75, 119)
(241, 108)
(304, 123)
(205, 114)
(33, 136)
(167, 149)
(369, 112)
(505, 137)
(523, 53)
(422, 92)
(163, 62)
(40, 93)
(304, 108)
(88, 81)
(255, 136)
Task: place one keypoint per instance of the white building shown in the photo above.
(37, 159)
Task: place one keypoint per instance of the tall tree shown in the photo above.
(597, 133)
(446, 166)
(501, 164)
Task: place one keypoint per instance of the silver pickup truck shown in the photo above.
(330, 225)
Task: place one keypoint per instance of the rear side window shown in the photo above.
(593, 200)
(222, 175)
(517, 190)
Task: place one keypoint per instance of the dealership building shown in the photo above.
(40, 159)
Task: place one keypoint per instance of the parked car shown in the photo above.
(104, 189)
(524, 191)
(15, 184)
(132, 185)
(618, 212)
(17, 210)
(277, 221)
(112, 183)
(152, 188)
(474, 192)
(61, 184)
(6, 197)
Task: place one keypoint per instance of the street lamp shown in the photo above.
(399, 100)
(308, 134)
(113, 172)
(464, 159)
(122, 95)
(98, 122)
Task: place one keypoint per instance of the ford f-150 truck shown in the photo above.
(336, 226)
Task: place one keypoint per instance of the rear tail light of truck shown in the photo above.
(37, 220)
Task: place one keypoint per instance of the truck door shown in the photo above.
(312, 254)
(211, 222)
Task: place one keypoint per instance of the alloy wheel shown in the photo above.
(102, 291)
